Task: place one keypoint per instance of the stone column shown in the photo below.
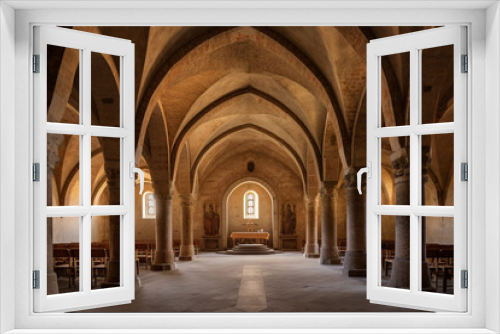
(52, 160)
(187, 247)
(311, 248)
(355, 256)
(426, 273)
(113, 276)
(165, 257)
(329, 250)
(400, 272)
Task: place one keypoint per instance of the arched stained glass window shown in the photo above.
(251, 205)
(148, 206)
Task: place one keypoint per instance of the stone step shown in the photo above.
(250, 249)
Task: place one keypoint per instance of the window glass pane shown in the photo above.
(63, 167)
(105, 171)
(105, 89)
(106, 252)
(395, 251)
(65, 248)
(63, 85)
(395, 171)
(437, 241)
(437, 169)
(437, 84)
(395, 79)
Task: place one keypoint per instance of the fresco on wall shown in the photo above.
(288, 219)
(211, 221)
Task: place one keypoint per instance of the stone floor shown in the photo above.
(284, 282)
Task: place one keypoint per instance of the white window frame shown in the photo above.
(86, 43)
(413, 44)
(484, 103)
(246, 215)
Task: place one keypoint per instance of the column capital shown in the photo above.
(309, 200)
(53, 146)
(400, 160)
(164, 192)
(186, 200)
(426, 161)
(113, 175)
(351, 176)
(327, 188)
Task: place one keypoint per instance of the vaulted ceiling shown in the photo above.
(208, 94)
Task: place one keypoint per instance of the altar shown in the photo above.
(250, 235)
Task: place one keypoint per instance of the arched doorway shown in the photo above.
(233, 207)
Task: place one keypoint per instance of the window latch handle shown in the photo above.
(368, 171)
(134, 170)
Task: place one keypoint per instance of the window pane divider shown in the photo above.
(79, 211)
(407, 130)
(80, 130)
(108, 210)
(392, 210)
(67, 211)
(433, 211)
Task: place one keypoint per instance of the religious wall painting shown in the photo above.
(211, 220)
(288, 219)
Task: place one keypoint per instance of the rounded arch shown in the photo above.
(274, 201)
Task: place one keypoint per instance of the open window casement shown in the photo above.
(100, 241)
(410, 138)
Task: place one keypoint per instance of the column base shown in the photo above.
(355, 263)
(354, 272)
(329, 256)
(329, 260)
(164, 257)
(311, 255)
(187, 253)
(52, 286)
(163, 266)
(311, 251)
(400, 273)
(426, 278)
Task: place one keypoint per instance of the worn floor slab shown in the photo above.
(285, 282)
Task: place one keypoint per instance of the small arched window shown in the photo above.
(148, 206)
(251, 205)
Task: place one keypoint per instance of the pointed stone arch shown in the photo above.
(290, 150)
(270, 37)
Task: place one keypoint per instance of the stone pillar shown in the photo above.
(52, 160)
(400, 272)
(113, 276)
(165, 257)
(187, 246)
(355, 256)
(329, 250)
(311, 248)
(426, 272)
